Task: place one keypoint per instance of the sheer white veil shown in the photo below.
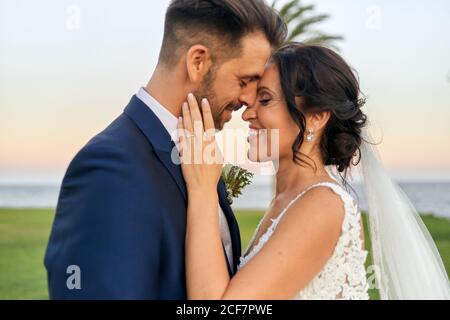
(409, 264)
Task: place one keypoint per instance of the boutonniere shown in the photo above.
(235, 179)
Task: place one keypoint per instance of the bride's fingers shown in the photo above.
(181, 137)
(207, 116)
(187, 122)
(197, 120)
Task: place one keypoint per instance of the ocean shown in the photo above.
(427, 197)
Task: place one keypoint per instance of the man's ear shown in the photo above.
(198, 62)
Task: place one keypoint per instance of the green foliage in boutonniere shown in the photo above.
(235, 179)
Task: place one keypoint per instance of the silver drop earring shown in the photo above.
(310, 137)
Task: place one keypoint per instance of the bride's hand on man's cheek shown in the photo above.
(201, 159)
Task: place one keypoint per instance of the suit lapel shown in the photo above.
(160, 139)
(174, 169)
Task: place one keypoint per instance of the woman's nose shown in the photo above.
(249, 113)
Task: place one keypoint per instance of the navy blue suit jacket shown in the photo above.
(121, 216)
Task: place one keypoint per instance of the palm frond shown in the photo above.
(324, 40)
(297, 13)
(301, 20)
(320, 39)
(287, 7)
(304, 26)
(274, 4)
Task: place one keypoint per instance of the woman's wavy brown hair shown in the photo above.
(315, 79)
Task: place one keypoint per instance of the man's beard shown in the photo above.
(206, 91)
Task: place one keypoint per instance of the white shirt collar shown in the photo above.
(169, 121)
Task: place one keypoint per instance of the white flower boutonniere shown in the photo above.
(235, 179)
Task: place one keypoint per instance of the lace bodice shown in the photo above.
(343, 276)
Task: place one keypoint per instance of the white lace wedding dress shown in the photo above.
(344, 275)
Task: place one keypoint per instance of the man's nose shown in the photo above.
(248, 96)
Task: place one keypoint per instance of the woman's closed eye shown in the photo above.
(265, 98)
(265, 102)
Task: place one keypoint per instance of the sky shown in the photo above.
(68, 68)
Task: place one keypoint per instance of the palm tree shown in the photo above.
(301, 19)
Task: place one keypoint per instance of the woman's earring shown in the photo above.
(310, 137)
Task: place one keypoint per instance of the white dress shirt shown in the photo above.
(170, 122)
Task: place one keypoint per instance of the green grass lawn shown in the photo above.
(24, 235)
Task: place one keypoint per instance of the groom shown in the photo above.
(119, 229)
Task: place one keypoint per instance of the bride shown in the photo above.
(310, 242)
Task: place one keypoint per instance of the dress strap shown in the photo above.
(339, 190)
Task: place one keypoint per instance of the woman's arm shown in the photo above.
(206, 269)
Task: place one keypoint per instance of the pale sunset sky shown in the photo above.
(64, 79)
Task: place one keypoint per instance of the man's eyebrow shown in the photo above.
(252, 77)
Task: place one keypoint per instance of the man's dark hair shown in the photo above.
(219, 25)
